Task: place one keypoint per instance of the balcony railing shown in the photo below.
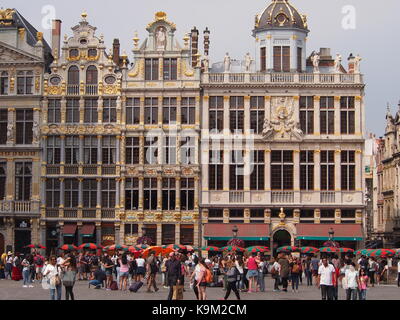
(52, 213)
(53, 169)
(70, 213)
(15, 206)
(108, 213)
(91, 89)
(89, 169)
(236, 196)
(108, 169)
(282, 196)
(73, 89)
(71, 169)
(89, 214)
(327, 197)
(22, 206)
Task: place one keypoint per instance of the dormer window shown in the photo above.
(73, 53)
(92, 53)
(83, 41)
(281, 58)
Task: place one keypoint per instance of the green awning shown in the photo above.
(242, 238)
(327, 238)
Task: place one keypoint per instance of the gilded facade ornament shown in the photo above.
(186, 70)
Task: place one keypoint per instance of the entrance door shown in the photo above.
(1, 243)
(281, 238)
(22, 239)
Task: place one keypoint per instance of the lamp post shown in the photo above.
(235, 231)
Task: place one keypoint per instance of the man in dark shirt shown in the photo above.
(174, 270)
(98, 278)
(284, 263)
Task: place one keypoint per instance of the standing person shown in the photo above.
(295, 274)
(26, 271)
(68, 276)
(164, 280)
(232, 274)
(123, 272)
(152, 269)
(252, 273)
(204, 275)
(275, 270)
(173, 272)
(261, 275)
(17, 268)
(216, 270)
(52, 274)
(239, 266)
(81, 267)
(351, 282)
(141, 270)
(39, 262)
(398, 273)
(325, 280)
(9, 265)
(194, 278)
(308, 270)
(314, 267)
(108, 269)
(362, 284)
(284, 270)
(372, 266)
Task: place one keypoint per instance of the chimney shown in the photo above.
(116, 47)
(194, 46)
(56, 38)
(325, 53)
(206, 41)
(351, 60)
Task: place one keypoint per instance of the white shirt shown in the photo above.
(197, 271)
(351, 277)
(326, 274)
(398, 266)
(240, 268)
(60, 261)
(140, 262)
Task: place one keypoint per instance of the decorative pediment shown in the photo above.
(11, 55)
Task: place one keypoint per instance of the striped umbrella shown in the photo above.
(232, 248)
(210, 248)
(157, 250)
(35, 246)
(329, 249)
(363, 251)
(257, 249)
(89, 246)
(116, 247)
(133, 249)
(287, 249)
(381, 253)
(142, 246)
(346, 250)
(68, 247)
(191, 248)
(308, 250)
(175, 247)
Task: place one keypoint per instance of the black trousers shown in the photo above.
(276, 283)
(284, 283)
(171, 283)
(69, 293)
(195, 289)
(398, 279)
(231, 286)
(371, 275)
(327, 292)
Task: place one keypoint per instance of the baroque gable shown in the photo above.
(9, 55)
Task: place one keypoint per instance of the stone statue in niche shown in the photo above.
(268, 131)
(206, 63)
(227, 62)
(315, 58)
(338, 63)
(161, 38)
(10, 132)
(247, 61)
(357, 60)
(36, 131)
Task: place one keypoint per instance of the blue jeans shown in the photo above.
(95, 283)
(260, 281)
(26, 275)
(53, 293)
(239, 283)
(295, 281)
(362, 294)
(351, 294)
(309, 277)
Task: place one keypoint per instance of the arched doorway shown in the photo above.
(281, 238)
(1, 243)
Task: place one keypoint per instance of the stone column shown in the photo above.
(246, 215)
(60, 234)
(141, 111)
(159, 234)
(338, 186)
(117, 229)
(196, 193)
(246, 115)
(141, 187)
(62, 156)
(317, 129)
(317, 216)
(226, 215)
(178, 193)
(119, 109)
(98, 233)
(338, 214)
(62, 196)
(63, 105)
(160, 109)
(177, 233)
(317, 170)
(196, 235)
(226, 115)
(267, 216)
(205, 124)
(43, 233)
(9, 179)
(11, 125)
(227, 160)
(117, 192)
(80, 196)
(358, 118)
(122, 196)
(267, 174)
(337, 116)
(100, 110)
(98, 193)
(99, 154)
(45, 107)
(81, 110)
(359, 171)
(159, 192)
(296, 173)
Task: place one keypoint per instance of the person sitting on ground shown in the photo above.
(97, 278)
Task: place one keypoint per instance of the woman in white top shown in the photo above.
(350, 282)
(141, 270)
(52, 278)
(239, 266)
(26, 271)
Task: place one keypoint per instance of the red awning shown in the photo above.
(223, 231)
(87, 230)
(69, 229)
(321, 231)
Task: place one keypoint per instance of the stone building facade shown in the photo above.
(24, 58)
(282, 141)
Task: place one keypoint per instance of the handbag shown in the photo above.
(178, 292)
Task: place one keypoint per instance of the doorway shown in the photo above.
(1, 243)
(281, 238)
(22, 239)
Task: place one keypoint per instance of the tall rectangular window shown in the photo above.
(236, 114)
(216, 112)
(187, 234)
(108, 188)
(258, 172)
(90, 114)
(348, 170)
(3, 180)
(347, 115)
(109, 110)
(169, 110)
(188, 110)
(263, 59)
(150, 193)
(90, 148)
(188, 148)
(151, 150)
(327, 115)
(215, 170)
(23, 181)
(307, 170)
(3, 82)
(168, 234)
(109, 150)
(3, 126)
(282, 170)
(150, 110)
(151, 69)
(307, 114)
(169, 147)
(168, 193)
(170, 68)
(132, 150)
(187, 194)
(299, 59)
(89, 188)
(281, 58)
(24, 126)
(54, 111)
(328, 170)
(133, 111)
(52, 193)
(53, 150)
(25, 82)
(257, 114)
(72, 111)
(71, 193)
(71, 149)
(131, 193)
(236, 170)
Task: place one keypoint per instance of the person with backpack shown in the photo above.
(262, 270)
(68, 276)
(252, 273)
(52, 276)
(232, 275)
(295, 274)
(274, 270)
(173, 273)
(38, 262)
(152, 269)
(205, 277)
(372, 267)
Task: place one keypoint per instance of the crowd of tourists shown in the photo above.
(233, 272)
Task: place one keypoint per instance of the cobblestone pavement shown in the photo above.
(12, 290)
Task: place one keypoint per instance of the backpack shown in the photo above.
(232, 273)
(208, 277)
(154, 267)
(295, 268)
(114, 286)
(265, 268)
(39, 261)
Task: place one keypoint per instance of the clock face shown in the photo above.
(55, 80)
(109, 79)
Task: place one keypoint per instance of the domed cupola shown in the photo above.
(281, 33)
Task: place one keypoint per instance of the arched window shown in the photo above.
(73, 75)
(91, 75)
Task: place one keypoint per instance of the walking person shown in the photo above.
(195, 278)
(68, 276)
(205, 276)
(275, 270)
(141, 270)
(52, 273)
(26, 271)
(326, 279)
(173, 272)
(39, 262)
(261, 274)
(372, 266)
(295, 274)
(164, 272)
(252, 273)
(284, 270)
(9, 265)
(152, 269)
(362, 284)
(108, 269)
(315, 267)
(232, 275)
(351, 282)
(308, 270)
(239, 266)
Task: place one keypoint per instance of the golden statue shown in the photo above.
(6, 16)
(282, 216)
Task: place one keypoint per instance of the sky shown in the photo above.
(373, 33)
